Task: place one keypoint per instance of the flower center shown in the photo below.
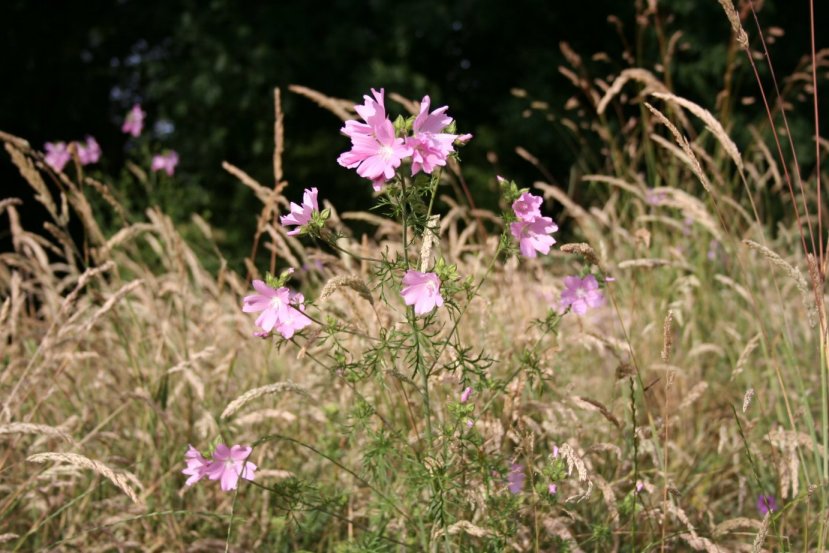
(276, 303)
(386, 152)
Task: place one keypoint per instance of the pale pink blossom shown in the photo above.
(515, 478)
(195, 465)
(552, 489)
(134, 121)
(463, 139)
(165, 162)
(89, 151)
(375, 156)
(228, 465)
(581, 294)
(301, 215)
(534, 236)
(527, 207)
(280, 309)
(429, 144)
(373, 112)
(57, 155)
(422, 290)
(465, 394)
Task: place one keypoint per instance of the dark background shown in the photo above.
(205, 73)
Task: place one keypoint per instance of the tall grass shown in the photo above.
(661, 417)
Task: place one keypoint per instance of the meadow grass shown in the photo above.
(660, 417)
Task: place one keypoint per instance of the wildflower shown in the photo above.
(555, 452)
(375, 156)
(465, 394)
(528, 207)
(552, 488)
(422, 290)
(57, 155)
(301, 214)
(655, 197)
(228, 465)
(463, 139)
(280, 309)
(89, 151)
(533, 236)
(639, 486)
(373, 112)
(469, 423)
(429, 144)
(195, 465)
(766, 503)
(165, 162)
(581, 294)
(515, 478)
(134, 121)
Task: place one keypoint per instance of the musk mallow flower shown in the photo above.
(422, 290)
(373, 113)
(229, 464)
(134, 121)
(581, 294)
(534, 236)
(195, 465)
(515, 478)
(57, 155)
(429, 144)
(165, 162)
(279, 309)
(527, 207)
(89, 151)
(766, 503)
(375, 156)
(301, 215)
(465, 394)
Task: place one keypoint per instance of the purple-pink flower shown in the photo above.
(515, 478)
(134, 121)
(465, 394)
(552, 489)
(766, 503)
(281, 309)
(375, 150)
(301, 215)
(581, 294)
(165, 162)
(534, 236)
(88, 151)
(228, 465)
(57, 155)
(422, 290)
(527, 207)
(429, 144)
(195, 465)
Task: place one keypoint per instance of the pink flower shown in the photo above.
(528, 207)
(463, 139)
(301, 214)
(581, 294)
(421, 290)
(134, 121)
(515, 478)
(552, 488)
(377, 155)
(165, 162)
(373, 112)
(430, 146)
(465, 394)
(57, 155)
(195, 465)
(280, 309)
(89, 151)
(533, 236)
(228, 465)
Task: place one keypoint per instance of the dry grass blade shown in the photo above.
(346, 281)
(35, 429)
(651, 83)
(736, 25)
(757, 546)
(683, 143)
(256, 393)
(341, 108)
(122, 480)
(742, 361)
(583, 249)
(711, 124)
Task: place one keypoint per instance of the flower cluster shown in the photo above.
(532, 230)
(281, 309)
(227, 466)
(376, 150)
(58, 154)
